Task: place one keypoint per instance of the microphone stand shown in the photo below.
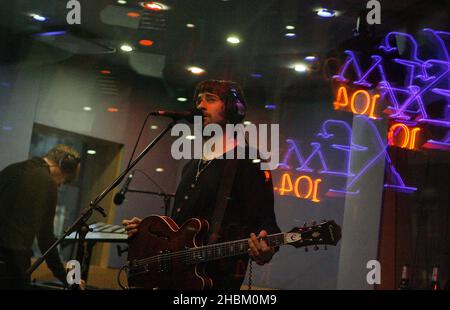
(80, 222)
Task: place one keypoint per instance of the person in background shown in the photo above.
(28, 198)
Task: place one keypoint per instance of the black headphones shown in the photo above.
(235, 107)
(69, 164)
(231, 94)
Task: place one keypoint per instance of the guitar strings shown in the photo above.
(189, 253)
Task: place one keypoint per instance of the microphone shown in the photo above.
(187, 115)
(120, 196)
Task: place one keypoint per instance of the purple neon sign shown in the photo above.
(426, 81)
(376, 153)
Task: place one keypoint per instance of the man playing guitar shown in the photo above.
(250, 207)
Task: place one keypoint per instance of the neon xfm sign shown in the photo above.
(424, 88)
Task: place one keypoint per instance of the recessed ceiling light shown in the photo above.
(159, 169)
(196, 70)
(300, 68)
(310, 58)
(91, 152)
(133, 14)
(154, 6)
(126, 48)
(190, 25)
(326, 13)
(121, 2)
(182, 99)
(113, 110)
(38, 17)
(256, 161)
(87, 108)
(146, 42)
(290, 27)
(290, 35)
(233, 40)
(153, 127)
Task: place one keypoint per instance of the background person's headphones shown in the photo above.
(69, 164)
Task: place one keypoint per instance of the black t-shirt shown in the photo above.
(28, 197)
(250, 209)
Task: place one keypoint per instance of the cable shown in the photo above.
(118, 278)
(151, 180)
(138, 138)
(250, 272)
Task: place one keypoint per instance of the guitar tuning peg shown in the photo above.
(316, 247)
(306, 249)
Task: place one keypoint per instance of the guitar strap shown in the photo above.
(223, 196)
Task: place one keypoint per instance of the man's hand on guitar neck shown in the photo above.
(258, 249)
(131, 226)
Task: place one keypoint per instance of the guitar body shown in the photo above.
(159, 235)
(164, 256)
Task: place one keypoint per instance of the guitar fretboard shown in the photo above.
(226, 249)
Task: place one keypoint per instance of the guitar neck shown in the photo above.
(227, 249)
(327, 232)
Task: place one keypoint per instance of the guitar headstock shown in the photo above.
(326, 232)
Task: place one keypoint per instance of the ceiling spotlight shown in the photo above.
(310, 58)
(196, 70)
(91, 152)
(256, 161)
(326, 13)
(146, 42)
(38, 17)
(133, 14)
(182, 99)
(121, 2)
(290, 35)
(159, 169)
(87, 108)
(233, 40)
(154, 6)
(290, 27)
(153, 127)
(126, 48)
(113, 110)
(190, 25)
(300, 68)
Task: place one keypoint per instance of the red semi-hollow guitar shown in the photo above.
(164, 256)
